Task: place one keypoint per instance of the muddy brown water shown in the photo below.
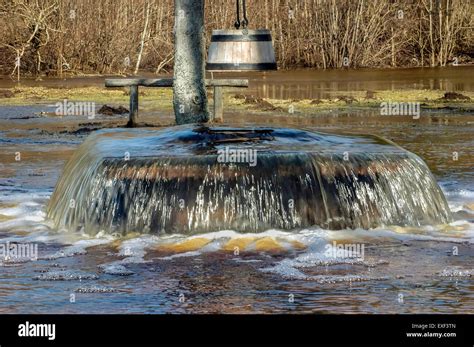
(307, 84)
(404, 270)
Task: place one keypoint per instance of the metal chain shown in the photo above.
(245, 21)
(237, 22)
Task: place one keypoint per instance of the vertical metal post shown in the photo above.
(133, 106)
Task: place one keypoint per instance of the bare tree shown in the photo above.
(32, 17)
(117, 36)
(143, 38)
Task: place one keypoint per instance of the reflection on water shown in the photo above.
(312, 84)
(320, 84)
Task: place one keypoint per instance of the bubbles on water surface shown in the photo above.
(66, 275)
(457, 271)
(96, 289)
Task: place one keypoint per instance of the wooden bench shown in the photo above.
(134, 83)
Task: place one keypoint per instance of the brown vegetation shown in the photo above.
(121, 36)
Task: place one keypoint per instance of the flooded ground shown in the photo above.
(309, 84)
(402, 270)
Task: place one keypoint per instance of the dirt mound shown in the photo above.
(111, 111)
(346, 98)
(369, 95)
(450, 96)
(5, 93)
(259, 103)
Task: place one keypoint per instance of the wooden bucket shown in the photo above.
(238, 50)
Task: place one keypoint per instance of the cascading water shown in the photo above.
(185, 180)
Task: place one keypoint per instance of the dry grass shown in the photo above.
(151, 97)
(427, 98)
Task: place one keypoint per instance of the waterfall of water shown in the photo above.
(173, 181)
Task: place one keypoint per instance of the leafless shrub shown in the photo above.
(123, 36)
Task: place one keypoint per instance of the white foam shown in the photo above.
(78, 248)
(290, 269)
(116, 269)
(286, 268)
(459, 193)
(430, 233)
(239, 260)
(181, 255)
(135, 249)
(319, 253)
